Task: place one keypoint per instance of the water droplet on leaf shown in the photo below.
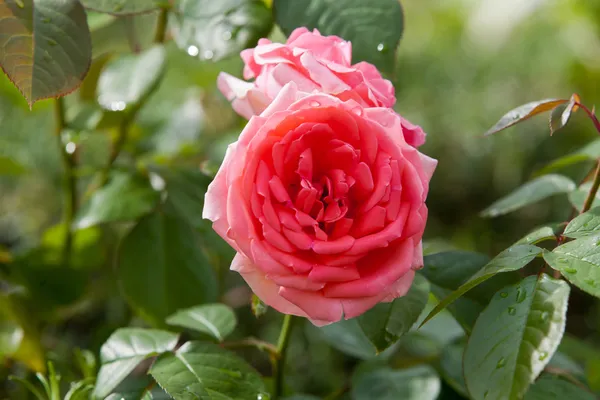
(512, 310)
(20, 3)
(504, 295)
(46, 20)
(52, 42)
(543, 356)
(501, 363)
(382, 48)
(521, 295)
(569, 270)
(544, 316)
(590, 282)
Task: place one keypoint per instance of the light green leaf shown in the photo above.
(206, 371)
(162, 268)
(212, 30)
(577, 197)
(523, 113)
(515, 337)
(126, 80)
(123, 7)
(45, 46)
(586, 224)
(511, 259)
(541, 234)
(590, 152)
(10, 167)
(531, 192)
(418, 383)
(579, 262)
(216, 320)
(124, 350)
(385, 323)
(126, 197)
(550, 387)
(347, 337)
(373, 27)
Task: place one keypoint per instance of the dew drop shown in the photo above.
(52, 42)
(208, 54)
(543, 356)
(226, 35)
(315, 103)
(357, 111)
(544, 316)
(382, 48)
(521, 295)
(501, 363)
(585, 225)
(193, 51)
(570, 270)
(20, 3)
(512, 310)
(504, 295)
(485, 395)
(590, 282)
(118, 7)
(46, 20)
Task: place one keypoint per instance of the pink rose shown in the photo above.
(324, 202)
(313, 62)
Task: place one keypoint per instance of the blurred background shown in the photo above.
(461, 65)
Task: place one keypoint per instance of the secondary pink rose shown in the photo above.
(324, 201)
(314, 63)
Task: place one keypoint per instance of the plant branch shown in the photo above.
(161, 28)
(282, 346)
(593, 190)
(70, 180)
(254, 342)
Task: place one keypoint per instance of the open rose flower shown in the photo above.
(314, 63)
(324, 202)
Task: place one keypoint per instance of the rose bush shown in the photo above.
(314, 63)
(324, 201)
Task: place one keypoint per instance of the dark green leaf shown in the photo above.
(373, 27)
(579, 262)
(138, 388)
(577, 197)
(588, 153)
(586, 224)
(511, 259)
(123, 7)
(386, 322)
(515, 337)
(451, 366)
(10, 167)
(127, 79)
(560, 115)
(418, 383)
(45, 47)
(523, 113)
(126, 197)
(531, 192)
(347, 337)
(213, 30)
(550, 387)
(124, 350)
(541, 234)
(86, 251)
(162, 268)
(216, 320)
(205, 371)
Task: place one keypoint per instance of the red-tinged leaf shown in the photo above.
(524, 112)
(560, 115)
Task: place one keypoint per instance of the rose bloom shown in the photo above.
(324, 202)
(315, 63)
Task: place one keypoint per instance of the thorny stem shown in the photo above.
(282, 346)
(253, 342)
(70, 181)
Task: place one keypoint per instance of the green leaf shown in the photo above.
(373, 27)
(511, 259)
(138, 388)
(560, 115)
(127, 79)
(126, 197)
(451, 367)
(590, 152)
(10, 167)
(550, 387)
(531, 192)
(213, 30)
(206, 371)
(386, 322)
(577, 197)
(162, 268)
(123, 7)
(348, 337)
(124, 350)
(586, 224)
(523, 113)
(45, 46)
(515, 337)
(216, 320)
(579, 262)
(418, 383)
(541, 234)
